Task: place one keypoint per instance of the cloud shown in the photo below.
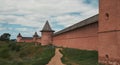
(2, 29)
(34, 13)
(22, 29)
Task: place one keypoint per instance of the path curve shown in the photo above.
(56, 60)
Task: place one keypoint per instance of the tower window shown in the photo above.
(107, 16)
(106, 56)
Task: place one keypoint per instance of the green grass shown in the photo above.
(12, 53)
(79, 57)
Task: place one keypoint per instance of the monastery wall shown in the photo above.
(85, 37)
(27, 40)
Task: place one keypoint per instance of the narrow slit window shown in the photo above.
(107, 16)
(106, 56)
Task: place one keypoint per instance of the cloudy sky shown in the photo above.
(28, 16)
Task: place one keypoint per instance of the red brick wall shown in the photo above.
(83, 38)
(19, 39)
(109, 31)
(118, 14)
(111, 21)
(46, 38)
(38, 40)
(108, 45)
(27, 40)
(118, 36)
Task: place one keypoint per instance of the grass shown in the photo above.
(79, 57)
(12, 53)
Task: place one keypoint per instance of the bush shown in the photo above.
(5, 37)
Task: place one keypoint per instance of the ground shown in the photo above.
(56, 60)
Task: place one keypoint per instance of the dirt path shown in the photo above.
(56, 60)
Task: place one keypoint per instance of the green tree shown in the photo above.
(5, 37)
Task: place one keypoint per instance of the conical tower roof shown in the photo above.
(19, 35)
(47, 28)
(35, 35)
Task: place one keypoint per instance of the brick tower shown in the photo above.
(47, 34)
(109, 31)
(19, 37)
(35, 36)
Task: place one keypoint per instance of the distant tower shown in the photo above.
(19, 37)
(109, 31)
(35, 36)
(47, 34)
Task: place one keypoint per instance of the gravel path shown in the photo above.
(56, 60)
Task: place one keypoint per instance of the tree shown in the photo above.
(5, 37)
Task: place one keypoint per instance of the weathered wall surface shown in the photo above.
(38, 40)
(19, 39)
(109, 15)
(46, 38)
(83, 38)
(109, 32)
(109, 47)
(27, 40)
(118, 36)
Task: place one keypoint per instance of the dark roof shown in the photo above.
(19, 35)
(46, 27)
(90, 20)
(29, 38)
(35, 35)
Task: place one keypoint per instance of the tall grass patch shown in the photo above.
(79, 57)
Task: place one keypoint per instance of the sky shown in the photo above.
(29, 16)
